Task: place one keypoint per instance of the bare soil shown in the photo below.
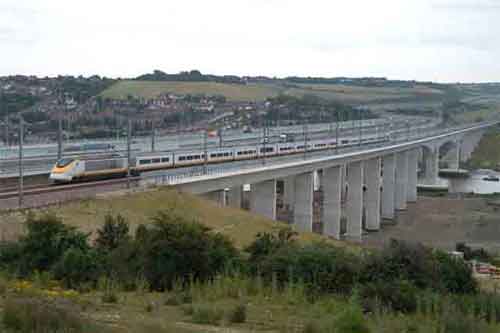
(441, 222)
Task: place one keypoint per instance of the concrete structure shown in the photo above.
(289, 191)
(303, 202)
(218, 197)
(372, 195)
(263, 198)
(412, 175)
(394, 166)
(234, 196)
(388, 186)
(354, 203)
(332, 192)
(401, 193)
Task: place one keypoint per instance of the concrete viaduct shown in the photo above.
(373, 183)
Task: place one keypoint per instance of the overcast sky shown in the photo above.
(440, 40)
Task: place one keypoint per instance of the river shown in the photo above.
(473, 184)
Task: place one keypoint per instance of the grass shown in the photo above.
(487, 154)
(88, 215)
(259, 92)
(150, 89)
(356, 94)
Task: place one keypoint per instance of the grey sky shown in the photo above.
(442, 40)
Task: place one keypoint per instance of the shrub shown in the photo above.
(238, 314)
(114, 232)
(46, 241)
(178, 298)
(268, 243)
(456, 322)
(77, 266)
(174, 248)
(454, 275)
(36, 315)
(10, 255)
(321, 267)
(398, 295)
(109, 289)
(206, 314)
(351, 320)
(401, 261)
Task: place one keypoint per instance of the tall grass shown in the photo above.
(31, 315)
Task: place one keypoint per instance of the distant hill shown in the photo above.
(190, 76)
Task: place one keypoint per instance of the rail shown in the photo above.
(199, 173)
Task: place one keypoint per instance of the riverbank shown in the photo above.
(487, 154)
(443, 220)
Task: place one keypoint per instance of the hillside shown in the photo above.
(350, 94)
(241, 226)
(150, 89)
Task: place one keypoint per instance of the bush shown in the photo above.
(425, 269)
(77, 266)
(401, 261)
(454, 275)
(178, 298)
(46, 241)
(10, 255)
(35, 315)
(109, 289)
(351, 320)
(268, 243)
(321, 267)
(400, 296)
(114, 232)
(173, 249)
(206, 314)
(456, 322)
(238, 315)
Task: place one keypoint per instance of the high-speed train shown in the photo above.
(75, 169)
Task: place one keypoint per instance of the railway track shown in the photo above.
(48, 188)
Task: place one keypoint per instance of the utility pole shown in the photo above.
(21, 180)
(219, 134)
(360, 126)
(59, 130)
(337, 131)
(205, 151)
(6, 131)
(152, 136)
(304, 129)
(264, 141)
(129, 134)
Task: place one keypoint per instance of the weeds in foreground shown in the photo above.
(109, 289)
(32, 315)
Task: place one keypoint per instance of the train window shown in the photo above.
(156, 160)
(213, 155)
(344, 141)
(142, 162)
(165, 160)
(182, 158)
(64, 162)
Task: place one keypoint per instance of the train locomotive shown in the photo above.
(68, 170)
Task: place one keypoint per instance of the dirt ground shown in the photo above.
(443, 221)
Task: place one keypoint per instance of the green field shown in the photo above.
(150, 89)
(259, 92)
